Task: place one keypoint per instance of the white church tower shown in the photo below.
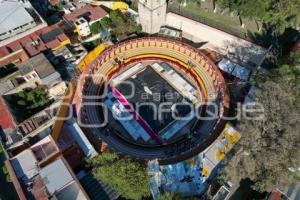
(152, 15)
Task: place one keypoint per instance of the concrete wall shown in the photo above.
(242, 50)
(152, 15)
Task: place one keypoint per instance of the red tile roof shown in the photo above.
(88, 12)
(62, 37)
(6, 119)
(14, 46)
(34, 38)
(25, 40)
(32, 51)
(3, 51)
(46, 29)
(52, 44)
(17, 57)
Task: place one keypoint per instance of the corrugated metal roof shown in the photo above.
(40, 64)
(13, 15)
(97, 189)
(25, 69)
(52, 78)
(56, 176)
(71, 192)
(25, 165)
(82, 140)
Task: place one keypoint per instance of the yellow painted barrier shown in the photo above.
(92, 56)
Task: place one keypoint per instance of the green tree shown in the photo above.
(167, 196)
(122, 25)
(118, 23)
(277, 14)
(126, 176)
(289, 73)
(96, 27)
(282, 14)
(105, 23)
(245, 8)
(33, 101)
(58, 6)
(6, 174)
(270, 147)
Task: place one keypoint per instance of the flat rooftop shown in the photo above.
(39, 63)
(13, 15)
(150, 87)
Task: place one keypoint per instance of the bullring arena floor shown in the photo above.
(154, 66)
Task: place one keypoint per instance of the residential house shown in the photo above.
(40, 172)
(48, 38)
(37, 71)
(81, 19)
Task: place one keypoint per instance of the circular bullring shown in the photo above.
(103, 86)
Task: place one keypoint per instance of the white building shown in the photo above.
(152, 14)
(17, 20)
(82, 27)
(70, 7)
